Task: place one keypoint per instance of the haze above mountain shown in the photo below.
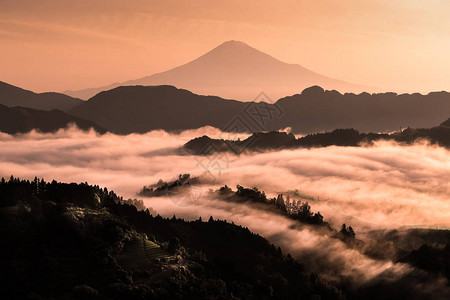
(14, 96)
(237, 71)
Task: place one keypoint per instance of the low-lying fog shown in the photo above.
(385, 186)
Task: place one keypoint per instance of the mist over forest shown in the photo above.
(224, 150)
(387, 192)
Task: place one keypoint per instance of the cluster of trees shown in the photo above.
(32, 193)
(253, 194)
(16, 191)
(162, 187)
(347, 232)
(295, 209)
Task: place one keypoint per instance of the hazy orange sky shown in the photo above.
(401, 45)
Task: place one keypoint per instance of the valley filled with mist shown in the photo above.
(392, 195)
(224, 150)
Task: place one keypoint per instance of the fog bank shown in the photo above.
(384, 186)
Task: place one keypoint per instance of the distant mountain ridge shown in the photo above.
(238, 71)
(317, 110)
(140, 109)
(21, 120)
(143, 108)
(14, 96)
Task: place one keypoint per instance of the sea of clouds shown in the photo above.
(380, 187)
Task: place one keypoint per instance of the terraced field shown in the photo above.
(142, 255)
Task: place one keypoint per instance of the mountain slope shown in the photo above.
(19, 120)
(14, 96)
(236, 70)
(317, 110)
(76, 241)
(142, 108)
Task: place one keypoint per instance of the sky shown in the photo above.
(57, 45)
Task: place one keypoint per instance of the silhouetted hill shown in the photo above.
(317, 110)
(143, 108)
(77, 241)
(14, 96)
(20, 119)
(204, 145)
(236, 70)
(259, 141)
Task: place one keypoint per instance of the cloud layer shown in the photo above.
(385, 186)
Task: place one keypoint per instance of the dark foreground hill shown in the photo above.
(274, 140)
(75, 241)
(20, 120)
(14, 96)
(143, 108)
